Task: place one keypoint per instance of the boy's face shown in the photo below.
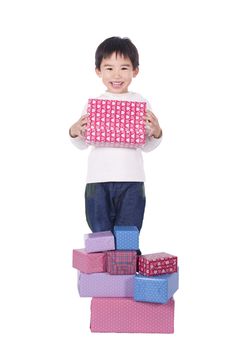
(117, 73)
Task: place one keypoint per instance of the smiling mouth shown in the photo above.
(116, 84)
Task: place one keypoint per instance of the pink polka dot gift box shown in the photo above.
(116, 123)
(89, 262)
(125, 315)
(157, 264)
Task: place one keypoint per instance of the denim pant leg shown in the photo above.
(131, 205)
(114, 203)
(98, 208)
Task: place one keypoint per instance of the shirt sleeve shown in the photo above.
(78, 141)
(151, 142)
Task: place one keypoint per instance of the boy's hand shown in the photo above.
(152, 121)
(78, 129)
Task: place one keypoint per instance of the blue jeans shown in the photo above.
(114, 203)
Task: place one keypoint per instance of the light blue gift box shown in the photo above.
(126, 237)
(155, 289)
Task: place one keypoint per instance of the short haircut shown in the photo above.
(121, 46)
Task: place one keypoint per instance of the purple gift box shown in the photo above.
(99, 241)
(103, 284)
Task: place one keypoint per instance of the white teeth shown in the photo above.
(116, 83)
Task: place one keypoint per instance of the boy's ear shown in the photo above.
(98, 72)
(135, 72)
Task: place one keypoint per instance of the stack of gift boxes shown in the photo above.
(130, 293)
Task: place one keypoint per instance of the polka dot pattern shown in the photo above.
(105, 285)
(126, 237)
(157, 289)
(124, 315)
(89, 262)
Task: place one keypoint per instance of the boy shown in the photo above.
(114, 193)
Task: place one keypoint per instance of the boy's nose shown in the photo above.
(117, 73)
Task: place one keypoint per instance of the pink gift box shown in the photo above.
(157, 264)
(124, 315)
(121, 262)
(105, 285)
(113, 122)
(99, 241)
(89, 262)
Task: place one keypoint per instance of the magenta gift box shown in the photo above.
(105, 285)
(89, 262)
(157, 264)
(113, 122)
(121, 262)
(124, 315)
(99, 241)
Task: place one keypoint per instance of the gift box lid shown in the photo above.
(99, 241)
(100, 234)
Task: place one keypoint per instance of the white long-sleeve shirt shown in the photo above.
(115, 163)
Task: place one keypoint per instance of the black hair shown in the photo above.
(121, 46)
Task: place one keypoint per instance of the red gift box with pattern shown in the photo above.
(121, 262)
(116, 123)
(157, 264)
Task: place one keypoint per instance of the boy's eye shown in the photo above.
(124, 68)
(108, 68)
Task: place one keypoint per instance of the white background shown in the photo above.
(47, 74)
